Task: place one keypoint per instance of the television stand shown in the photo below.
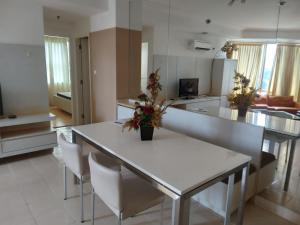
(27, 133)
(188, 97)
(193, 103)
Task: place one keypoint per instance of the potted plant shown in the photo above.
(242, 95)
(229, 48)
(148, 110)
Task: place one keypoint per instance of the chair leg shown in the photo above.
(279, 150)
(81, 199)
(287, 151)
(65, 182)
(278, 155)
(93, 206)
(162, 213)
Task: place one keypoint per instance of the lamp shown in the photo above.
(281, 3)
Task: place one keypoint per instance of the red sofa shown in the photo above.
(276, 103)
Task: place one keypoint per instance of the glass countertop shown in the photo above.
(278, 122)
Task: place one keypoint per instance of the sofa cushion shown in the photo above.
(285, 101)
(238, 175)
(259, 106)
(262, 99)
(266, 159)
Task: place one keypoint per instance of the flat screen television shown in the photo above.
(188, 87)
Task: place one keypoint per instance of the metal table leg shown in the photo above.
(230, 190)
(289, 166)
(75, 178)
(244, 184)
(181, 211)
(272, 147)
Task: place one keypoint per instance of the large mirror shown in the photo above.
(184, 39)
(154, 19)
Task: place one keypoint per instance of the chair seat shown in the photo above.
(138, 195)
(266, 159)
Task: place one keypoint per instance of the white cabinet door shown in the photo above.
(228, 75)
(26, 143)
(222, 76)
(124, 112)
(204, 105)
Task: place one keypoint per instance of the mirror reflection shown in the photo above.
(200, 45)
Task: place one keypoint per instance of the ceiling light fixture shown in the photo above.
(281, 3)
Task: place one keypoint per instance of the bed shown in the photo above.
(63, 100)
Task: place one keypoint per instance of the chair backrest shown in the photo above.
(237, 136)
(107, 184)
(72, 155)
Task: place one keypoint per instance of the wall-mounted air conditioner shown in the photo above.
(200, 45)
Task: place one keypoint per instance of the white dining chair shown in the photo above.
(75, 159)
(125, 194)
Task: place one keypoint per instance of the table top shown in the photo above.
(271, 123)
(176, 161)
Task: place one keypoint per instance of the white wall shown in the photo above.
(22, 57)
(104, 20)
(21, 22)
(82, 28)
(71, 30)
(53, 28)
(182, 60)
(118, 15)
(287, 35)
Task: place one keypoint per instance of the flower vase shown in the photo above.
(242, 111)
(229, 54)
(146, 133)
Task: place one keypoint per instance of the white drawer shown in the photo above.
(23, 143)
(204, 105)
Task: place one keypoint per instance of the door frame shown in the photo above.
(81, 85)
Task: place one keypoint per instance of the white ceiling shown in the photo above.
(71, 11)
(190, 15)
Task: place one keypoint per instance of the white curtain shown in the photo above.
(58, 65)
(250, 62)
(285, 79)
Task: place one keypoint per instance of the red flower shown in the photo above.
(148, 110)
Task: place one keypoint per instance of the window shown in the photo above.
(58, 65)
(144, 66)
(268, 66)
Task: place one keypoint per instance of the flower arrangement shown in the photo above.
(148, 110)
(242, 95)
(229, 48)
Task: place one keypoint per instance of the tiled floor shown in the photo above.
(274, 193)
(31, 193)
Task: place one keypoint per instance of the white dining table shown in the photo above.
(175, 164)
